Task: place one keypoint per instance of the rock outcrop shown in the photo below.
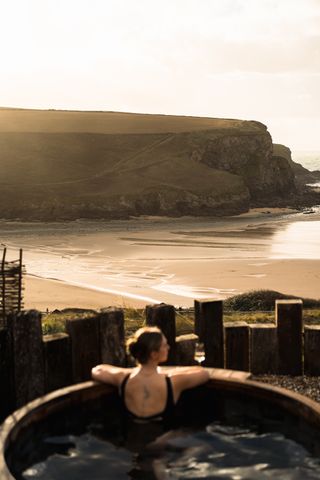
(251, 157)
(302, 175)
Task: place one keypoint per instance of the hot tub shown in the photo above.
(229, 398)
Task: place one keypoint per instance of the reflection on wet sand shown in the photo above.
(297, 240)
(174, 260)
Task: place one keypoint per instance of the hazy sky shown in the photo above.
(250, 59)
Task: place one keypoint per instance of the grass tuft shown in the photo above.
(263, 300)
(252, 307)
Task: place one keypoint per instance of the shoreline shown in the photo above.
(44, 293)
(152, 260)
(299, 278)
(254, 212)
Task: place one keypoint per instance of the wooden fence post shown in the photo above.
(27, 348)
(164, 317)
(237, 346)
(85, 346)
(210, 327)
(263, 349)
(290, 326)
(3, 286)
(186, 349)
(7, 403)
(197, 320)
(312, 350)
(57, 361)
(112, 336)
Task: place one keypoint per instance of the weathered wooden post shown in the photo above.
(290, 327)
(27, 349)
(112, 342)
(7, 403)
(163, 316)
(186, 349)
(197, 320)
(312, 350)
(57, 361)
(210, 327)
(85, 346)
(263, 349)
(237, 346)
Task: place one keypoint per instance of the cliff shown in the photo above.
(251, 157)
(65, 165)
(302, 175)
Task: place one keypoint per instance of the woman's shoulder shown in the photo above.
(110, 374)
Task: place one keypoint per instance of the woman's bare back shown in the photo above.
(145, 395)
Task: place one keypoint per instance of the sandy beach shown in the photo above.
(43, 294)
(142, 261)
(299, 278)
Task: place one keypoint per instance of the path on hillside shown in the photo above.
(123, 161)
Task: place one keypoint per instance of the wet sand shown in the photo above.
(298, 277)
(138, 262)
(43, 294)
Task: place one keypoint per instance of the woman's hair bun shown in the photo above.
(133, 347)
(143, 342)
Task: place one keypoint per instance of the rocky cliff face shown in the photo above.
(251, 157)
(301, 174)
(175, 202)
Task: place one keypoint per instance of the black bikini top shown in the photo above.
(163, 415)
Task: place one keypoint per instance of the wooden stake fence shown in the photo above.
(11, 288)
(31, 364)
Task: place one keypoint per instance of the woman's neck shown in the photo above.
(149, 368)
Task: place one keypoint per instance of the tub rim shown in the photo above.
(227, 380)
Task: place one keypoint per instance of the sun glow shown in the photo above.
(236, 58)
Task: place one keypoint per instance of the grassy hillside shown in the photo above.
(282, 151)
(91, 164)
(66, 164)
(63, 121)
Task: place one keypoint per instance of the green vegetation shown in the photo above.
(282, 151)
(67, 165)
(134, 318)
(110, 123)
(55, 322)
(73, 175)
(252, 307)
(263, 300)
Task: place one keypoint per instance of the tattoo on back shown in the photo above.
(146, 393)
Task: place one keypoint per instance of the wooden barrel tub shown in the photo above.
(229, 396)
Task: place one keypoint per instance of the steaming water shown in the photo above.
(219, 452)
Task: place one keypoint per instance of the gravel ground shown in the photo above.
(308, 386)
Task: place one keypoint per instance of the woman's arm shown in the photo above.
(109, 374)
(188, 377)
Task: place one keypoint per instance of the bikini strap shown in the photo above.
(123, 386)
(170, 399)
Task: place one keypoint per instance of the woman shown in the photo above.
(148, 392)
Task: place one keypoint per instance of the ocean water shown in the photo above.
(308, 159)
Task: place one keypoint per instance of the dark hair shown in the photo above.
(143, 342)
